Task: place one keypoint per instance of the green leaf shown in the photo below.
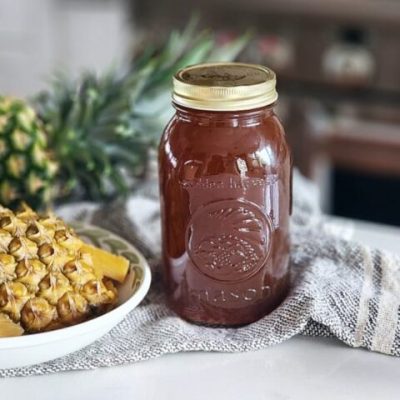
(115, 245)
(229, 51)
(132, 257)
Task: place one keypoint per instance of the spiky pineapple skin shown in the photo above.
(27, 170)
(46, 280)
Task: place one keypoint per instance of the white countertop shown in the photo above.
(301, 368)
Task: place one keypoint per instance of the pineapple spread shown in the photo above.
(50, 278)
(225, 172)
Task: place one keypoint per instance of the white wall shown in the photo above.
(38, 37)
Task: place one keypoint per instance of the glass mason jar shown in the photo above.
(225, 187)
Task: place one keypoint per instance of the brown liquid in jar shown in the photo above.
(225, 204)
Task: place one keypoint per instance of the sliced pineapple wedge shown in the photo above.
(107, 264)
(9, 328)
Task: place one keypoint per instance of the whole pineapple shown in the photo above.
(26, 169)
(47, 279)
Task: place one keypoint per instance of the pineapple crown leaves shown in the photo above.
(101, 127)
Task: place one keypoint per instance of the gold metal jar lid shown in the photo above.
(224, 87)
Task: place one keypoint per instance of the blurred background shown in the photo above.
(338, 67)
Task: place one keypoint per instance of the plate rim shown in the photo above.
(90, 325)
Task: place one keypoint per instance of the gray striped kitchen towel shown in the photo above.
(340, 288)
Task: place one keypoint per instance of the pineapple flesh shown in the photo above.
(8, 327)
(48, 278)
(107, 264)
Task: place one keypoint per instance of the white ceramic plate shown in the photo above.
(36, 348)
